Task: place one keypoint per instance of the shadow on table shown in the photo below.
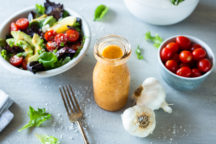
(15, 124)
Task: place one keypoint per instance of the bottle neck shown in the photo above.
(116, 41)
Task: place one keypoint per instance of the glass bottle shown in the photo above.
(111, 76)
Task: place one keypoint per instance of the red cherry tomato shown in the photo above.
(166, 54)
(50, 35)
(72, 35)
(186, 56)
(14, 27)
(16, 61)
(60, 39)
(51, 45)
(173, 46)
(76, 46)
(184, 71)
(22, 23)
(183, 42)
(176, 57)
(199, 53)
(195, 46)
(171, 65)
(204, 65)
(24, 64)
(184, 65)
(195, 72)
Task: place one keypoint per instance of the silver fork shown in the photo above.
(72, 107)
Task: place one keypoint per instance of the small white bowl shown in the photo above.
(179, 82)
(4, 29)
(161, 12)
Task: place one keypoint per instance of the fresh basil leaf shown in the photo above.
(40, 9)
(157, 40)
(139, 53)
(45, 139)
(176, 2)
(100, 12)
(48, 59)
(36, 118)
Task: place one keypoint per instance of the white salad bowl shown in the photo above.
(161, 12)
(4, 30)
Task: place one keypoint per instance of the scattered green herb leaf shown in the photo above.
(40, 9)
(36, 118)
(157, 40)
(100, 12)
(4, 54)
(45, 139)
(176, 2)
(139, 53)
(48, 59)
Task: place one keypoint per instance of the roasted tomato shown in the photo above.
(22, 23)
(50, 35)
(72, 35)
(16, 61)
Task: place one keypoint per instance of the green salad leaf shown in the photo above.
(45, 139)
(139, 53)
(100, 12)
(61, 62)
(157, 40)
(4, 54)
(2, 43)
(36, 118)
(176, 2)
(40, 9)
(48, 59)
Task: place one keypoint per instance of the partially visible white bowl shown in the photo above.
(4, 30)
(161, 12)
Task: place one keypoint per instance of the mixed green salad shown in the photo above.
(48, 38)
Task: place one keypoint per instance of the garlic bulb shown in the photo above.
(139, 121)
(152, 95)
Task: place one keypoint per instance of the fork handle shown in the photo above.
(82, 132)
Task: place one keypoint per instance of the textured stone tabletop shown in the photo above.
(193, 120)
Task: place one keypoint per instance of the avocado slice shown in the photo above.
(19, 35)
(38, 21)
(22, 44)
(37, 42)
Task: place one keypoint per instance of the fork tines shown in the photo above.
(69, 99)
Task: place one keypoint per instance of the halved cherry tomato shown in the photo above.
(50, 35)
(173, 46)
(183, 42)
(195, 46)
(186, 56)
(22, 23)
(51, 45)
(14, 27)
(199, 53)
(16, 61)
(166, 54)
(204, 65)
(184, 71)
(60, 39)
(24, 64)
(72, 35)
(171, 65)
(195, 72)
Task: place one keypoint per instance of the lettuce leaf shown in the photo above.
(45, 139)
(48, 59)
(36, 118)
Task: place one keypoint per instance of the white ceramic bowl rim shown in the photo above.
(190, 2)
(205, 46)
(55, 71)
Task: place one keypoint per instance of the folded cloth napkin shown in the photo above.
(5, 115)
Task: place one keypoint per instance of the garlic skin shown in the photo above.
(139, 121)
(152, 94)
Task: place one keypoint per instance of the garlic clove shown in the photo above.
(139, 121)
(152, 94)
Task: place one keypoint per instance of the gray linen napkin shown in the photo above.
(5, 115)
